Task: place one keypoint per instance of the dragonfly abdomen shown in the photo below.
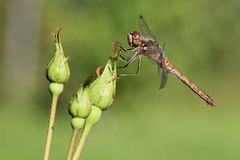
(170, 67)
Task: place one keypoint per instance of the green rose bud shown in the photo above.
(102, 90)
(77, 123)
(80, 105)
(94, 116)
(56, 88)
(58, 70)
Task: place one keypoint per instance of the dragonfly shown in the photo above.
(144, 43)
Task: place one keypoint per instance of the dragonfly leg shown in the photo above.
(123, 48)
(138, 57)
(130, 59)
(121, 58)
(120, 49)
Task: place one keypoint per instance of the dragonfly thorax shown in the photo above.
(134, 39)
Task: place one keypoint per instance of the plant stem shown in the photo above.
(82, 141)
(50, 126)
(72, 144)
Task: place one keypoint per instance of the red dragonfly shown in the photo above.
(147, 45)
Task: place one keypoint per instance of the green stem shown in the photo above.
(72, 144)
(50, 126)
(83, 139)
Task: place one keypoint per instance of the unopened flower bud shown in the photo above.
(102, 90)
(56, 88)
(58, 70)
(77, 123)
(94, 116)
(80, 105)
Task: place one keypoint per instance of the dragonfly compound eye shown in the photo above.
(134, 39)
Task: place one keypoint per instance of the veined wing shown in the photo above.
(163, 73)
(148, 34)
(164, 77)
(145, 30)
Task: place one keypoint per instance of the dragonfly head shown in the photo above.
(134, 39)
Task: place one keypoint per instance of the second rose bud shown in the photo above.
(102, 90)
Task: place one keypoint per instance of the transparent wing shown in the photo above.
(164, 76)
(145, 30)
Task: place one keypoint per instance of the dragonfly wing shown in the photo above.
(145, 30)
(164, 77)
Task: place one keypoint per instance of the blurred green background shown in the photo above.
(144, 122)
